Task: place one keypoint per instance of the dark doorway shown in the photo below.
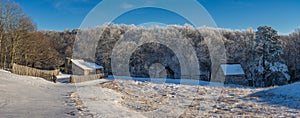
(150, 53)
(170, 73)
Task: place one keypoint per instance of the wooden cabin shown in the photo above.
(232, 74)
(81, 67)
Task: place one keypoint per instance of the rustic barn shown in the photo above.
(233, 74)
(81, 67)
(83, 71)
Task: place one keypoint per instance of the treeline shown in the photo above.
(241, 47)
(21, 43)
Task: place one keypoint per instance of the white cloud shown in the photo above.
(72, 6)
(58, 4)
(126, 6)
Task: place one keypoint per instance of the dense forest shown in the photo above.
(279, 53)
(21, 43)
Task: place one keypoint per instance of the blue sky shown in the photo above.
(283, 15)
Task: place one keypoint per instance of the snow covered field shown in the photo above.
(23, 96)
(170, 100)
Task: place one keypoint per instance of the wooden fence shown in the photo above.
(83, 78)
(28, 71)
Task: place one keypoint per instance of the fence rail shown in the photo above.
(28, 71)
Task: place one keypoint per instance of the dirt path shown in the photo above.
(29, 97)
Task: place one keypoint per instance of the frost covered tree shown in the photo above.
(270, 68)
(292, 53)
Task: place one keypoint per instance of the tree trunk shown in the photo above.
(12, 53)
(5, 58)
(1, 52)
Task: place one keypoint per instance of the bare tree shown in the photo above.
(291, 53)
(15, 25)
(36, 51)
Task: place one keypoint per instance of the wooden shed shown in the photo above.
(81, 67)
(232, 73)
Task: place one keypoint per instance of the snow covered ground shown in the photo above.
(23, 96)
(31, 97)
(171, 100)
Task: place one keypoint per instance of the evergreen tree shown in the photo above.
(270, 68)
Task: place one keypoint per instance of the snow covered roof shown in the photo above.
(232, 69)
(86, 65)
